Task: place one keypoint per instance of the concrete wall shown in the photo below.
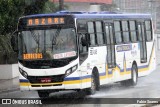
(8, 71)
(95, 8)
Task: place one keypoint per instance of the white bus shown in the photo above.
(75, 51)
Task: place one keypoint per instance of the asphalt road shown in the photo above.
(147, 87)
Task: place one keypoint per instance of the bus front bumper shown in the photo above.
(70, 85)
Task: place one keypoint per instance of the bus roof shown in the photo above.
(84, 15)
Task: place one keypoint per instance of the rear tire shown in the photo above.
(134, 77)
(43, 94)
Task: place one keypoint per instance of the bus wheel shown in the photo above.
(43, 94)
(94, 85)
(134, 77)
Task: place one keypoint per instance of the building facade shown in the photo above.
(141, 6)
(86, 5)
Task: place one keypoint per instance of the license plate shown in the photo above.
(45, 80)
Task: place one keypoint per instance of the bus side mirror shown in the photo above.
(14, 41)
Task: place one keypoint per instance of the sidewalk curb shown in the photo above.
(9, 90)
(150, 105)
(143, 105)
(14, 86)
(3, 80)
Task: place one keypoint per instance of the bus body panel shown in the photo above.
(96, 59)
(147, 68)
(125, 54)
(72, 81)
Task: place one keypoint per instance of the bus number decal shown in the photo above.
(124, 48)
(93, 52)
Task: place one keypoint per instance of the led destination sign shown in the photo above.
(33, 56)
(45, 21)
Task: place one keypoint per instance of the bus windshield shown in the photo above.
(47, 44)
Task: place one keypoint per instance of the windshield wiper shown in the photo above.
(34, 36)
(55, 37)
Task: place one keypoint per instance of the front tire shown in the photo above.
(94, 84)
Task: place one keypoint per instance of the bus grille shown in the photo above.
(54, 79)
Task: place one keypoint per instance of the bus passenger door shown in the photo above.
(111, 61)
(142, 40)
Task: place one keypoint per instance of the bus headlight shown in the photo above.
(71, 70)
(23, 73)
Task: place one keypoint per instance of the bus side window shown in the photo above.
(91, 32)
(126, 35)
(117, 32)
(148, 30)
(99, 33)
(132, 25)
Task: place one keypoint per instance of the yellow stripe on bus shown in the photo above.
(72, 82)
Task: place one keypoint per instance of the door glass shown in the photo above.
(144, 43)
(107, 34)
(111, 34)
(143, 48)
(110, 46)
(139, 33)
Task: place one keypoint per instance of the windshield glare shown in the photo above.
(48, 44)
